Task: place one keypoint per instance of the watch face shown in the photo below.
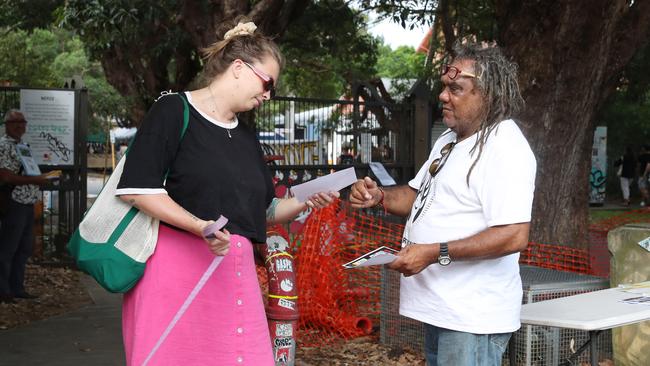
(443, 261)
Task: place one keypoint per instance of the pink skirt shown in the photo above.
(224, 325)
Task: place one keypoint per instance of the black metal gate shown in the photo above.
(304, 138)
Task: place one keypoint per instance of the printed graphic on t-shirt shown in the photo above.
(420, 204)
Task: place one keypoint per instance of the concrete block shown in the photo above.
(630, 263)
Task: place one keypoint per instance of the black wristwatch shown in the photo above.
(443, 258)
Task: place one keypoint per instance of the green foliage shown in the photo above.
(636, 80)
(407, 13)
(45, 58)
(402, 66)
(28, 14)
(628, 123)
(26, 57)
(475, 18)
(402, 63)
(105, 23)
(597, 215)
(627, 113)
(137, 36)
(323, 59)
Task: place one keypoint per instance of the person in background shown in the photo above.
(121, 151)
(469, 211)
(17, 216)
(627, 165)
(346, 157)
(644, 174)
(217, 168)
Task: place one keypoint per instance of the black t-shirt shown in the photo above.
(211, 172)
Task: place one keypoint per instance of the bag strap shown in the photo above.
(126, 220)
(186, 123)
(186, 120)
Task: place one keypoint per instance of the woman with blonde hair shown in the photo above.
(216, 168)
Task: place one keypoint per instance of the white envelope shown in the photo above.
(333, 182)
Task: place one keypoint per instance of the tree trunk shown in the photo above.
(571, 54)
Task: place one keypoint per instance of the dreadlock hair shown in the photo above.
(244, 42)
(497, 82)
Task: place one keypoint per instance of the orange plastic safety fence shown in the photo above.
(335, 302)
(557, 257)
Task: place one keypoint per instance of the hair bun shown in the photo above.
(241, 29)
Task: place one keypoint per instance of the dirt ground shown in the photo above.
(364, 351)
(59, 291)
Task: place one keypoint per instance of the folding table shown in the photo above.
(593, 312)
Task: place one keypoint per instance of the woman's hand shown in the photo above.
(220, 243)
(322, 199)
(286, 209)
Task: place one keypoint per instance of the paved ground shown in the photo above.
(90, 336)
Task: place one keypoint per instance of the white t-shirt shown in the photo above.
(479, 296)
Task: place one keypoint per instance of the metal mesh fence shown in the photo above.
(304, 138)
(532, 345)
(324, 132)
(396, 331)
(9, 98)
(541, 345)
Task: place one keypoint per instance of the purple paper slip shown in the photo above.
(209, 230)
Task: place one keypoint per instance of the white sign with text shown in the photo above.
(50, 125)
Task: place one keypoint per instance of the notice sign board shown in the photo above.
(50, 125)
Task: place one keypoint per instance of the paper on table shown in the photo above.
(381, 255)
(380, 172)
(331, 182)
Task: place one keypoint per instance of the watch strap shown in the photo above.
(444, 249)
(443, 257)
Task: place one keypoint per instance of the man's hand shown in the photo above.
(41, 180)
(413, 258)
(365, 193)
(9, 177)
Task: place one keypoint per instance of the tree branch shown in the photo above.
(198, 21)
(632, 31)
(447, 25)
(293, 10)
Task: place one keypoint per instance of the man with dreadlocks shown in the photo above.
(469, 211)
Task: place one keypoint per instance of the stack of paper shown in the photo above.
(643, 300)
(382, 255)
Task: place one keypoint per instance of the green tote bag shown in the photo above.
(114, 239)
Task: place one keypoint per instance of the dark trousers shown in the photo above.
(16, 240)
